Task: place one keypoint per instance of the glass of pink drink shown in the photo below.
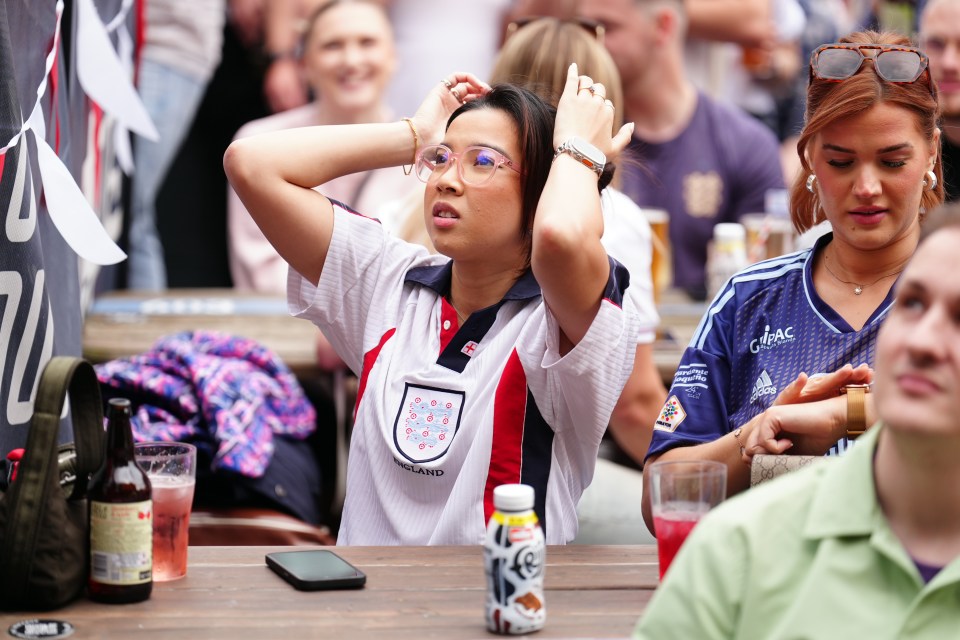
(681, 493)
(172, 468)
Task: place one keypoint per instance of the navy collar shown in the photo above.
(457, 353)
(437, 277)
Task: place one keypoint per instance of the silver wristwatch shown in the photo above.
(585, 153)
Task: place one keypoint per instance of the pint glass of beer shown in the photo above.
(768, 236)
(661, 265)
(172, 468)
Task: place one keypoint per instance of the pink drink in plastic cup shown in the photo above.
(682, 492)
(672, 530)
(172, 497)
(172, 468)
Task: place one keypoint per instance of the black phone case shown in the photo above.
(351, 582)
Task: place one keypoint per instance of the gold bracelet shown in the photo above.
(407, 168)
(736, 436)
(856, 409)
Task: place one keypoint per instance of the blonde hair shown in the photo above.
(538, 54)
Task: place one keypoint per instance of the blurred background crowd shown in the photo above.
(218, 69)
(715, 88)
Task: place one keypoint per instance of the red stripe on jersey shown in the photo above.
(368, 359)
(447, 315)
(3, 157)
(140, 26)
(54, 102)
(97, 113)
(509, 413)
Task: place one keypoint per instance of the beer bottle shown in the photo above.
(121, 518)
(514, 557)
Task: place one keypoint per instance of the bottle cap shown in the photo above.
(513, 497)
(729, 231)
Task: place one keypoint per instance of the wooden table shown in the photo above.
(411, 592)
(679, 317)
(125, 323)
(121, 324)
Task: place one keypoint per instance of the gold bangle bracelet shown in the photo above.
(407, 168)
(736, 436)
(856, 409)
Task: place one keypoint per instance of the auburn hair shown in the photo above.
(828, 102)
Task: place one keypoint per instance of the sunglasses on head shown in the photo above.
(893, 63)
(592, 26)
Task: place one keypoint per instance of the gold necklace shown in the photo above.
(857, 287)
(460, 317)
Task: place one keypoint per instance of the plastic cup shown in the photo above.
(768, 236)
(661, 262)
(172, 468)
(682, 492)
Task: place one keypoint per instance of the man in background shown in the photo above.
(702, 161)
(940, 39)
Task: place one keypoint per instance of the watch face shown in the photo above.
(588, 150)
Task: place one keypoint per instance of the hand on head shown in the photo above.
(445, 98)
(584, 111)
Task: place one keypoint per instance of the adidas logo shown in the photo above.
(763, 387)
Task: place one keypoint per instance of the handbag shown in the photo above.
(43, 514)
(766, 466)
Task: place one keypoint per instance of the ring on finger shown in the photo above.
(456, 94)
(447, 83)
(596, 88)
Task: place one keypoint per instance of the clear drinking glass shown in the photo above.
(681, 493)
(172, 468)
(661, 260)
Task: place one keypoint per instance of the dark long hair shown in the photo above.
(828, 102)
(534, 119)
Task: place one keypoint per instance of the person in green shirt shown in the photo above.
(863, 546)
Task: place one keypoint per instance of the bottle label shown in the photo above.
(514, 555)
(515, 520)
(121, 542)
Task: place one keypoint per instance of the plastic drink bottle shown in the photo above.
(514, 556)
(728, 255)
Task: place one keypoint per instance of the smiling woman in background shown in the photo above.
(769, 368)
(348, 60)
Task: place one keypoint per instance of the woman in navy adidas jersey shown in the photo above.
(499, 360)
(778, 362)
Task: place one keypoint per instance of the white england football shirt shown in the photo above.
(446, 413)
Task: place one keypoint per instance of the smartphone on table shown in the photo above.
(315, 569)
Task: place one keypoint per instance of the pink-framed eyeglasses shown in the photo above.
(475, 165)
